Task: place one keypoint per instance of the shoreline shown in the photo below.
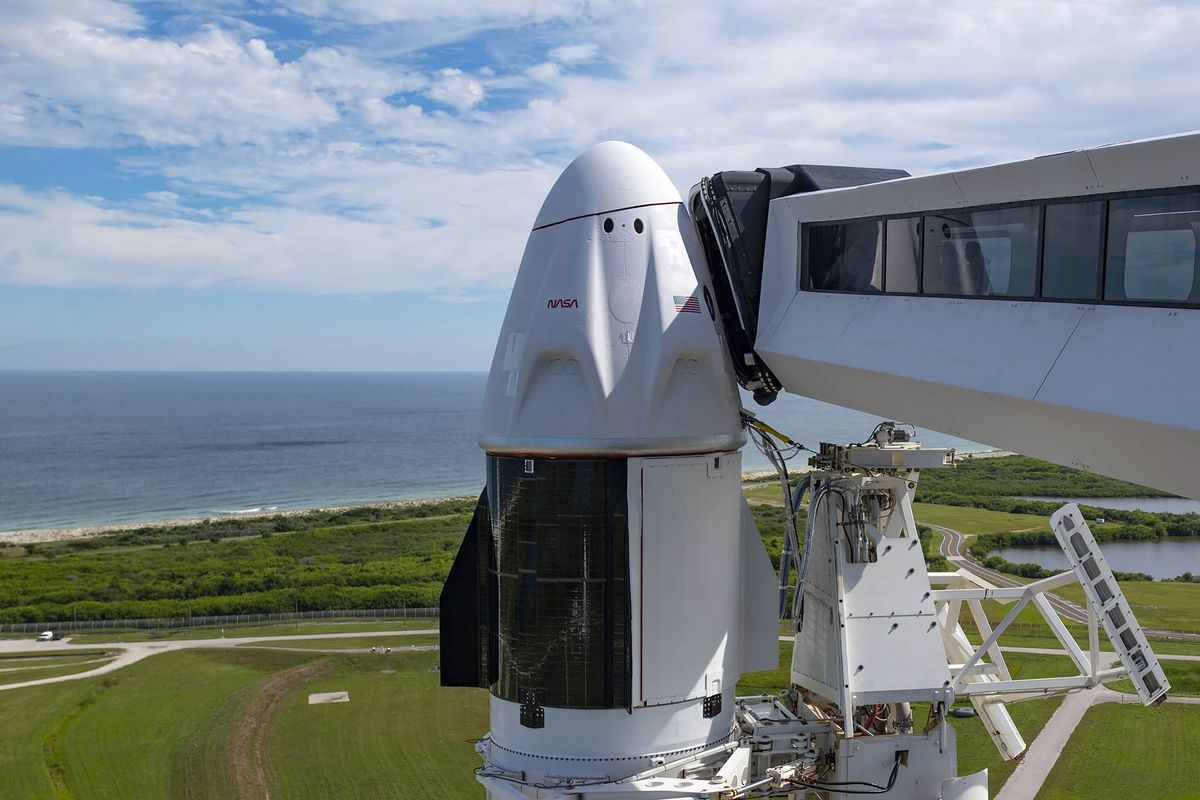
(65, 533)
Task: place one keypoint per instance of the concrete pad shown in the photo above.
(328, 697)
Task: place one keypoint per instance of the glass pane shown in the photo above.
(562, 572)
(845, 257)
(972, 253)
(1071, 260)
(1152, 248)
(903, 255)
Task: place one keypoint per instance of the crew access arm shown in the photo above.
(1109, 388)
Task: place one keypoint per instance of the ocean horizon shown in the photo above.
(81, 448)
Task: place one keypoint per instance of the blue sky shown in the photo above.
(310, 184)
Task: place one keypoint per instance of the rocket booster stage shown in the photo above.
(612, 586)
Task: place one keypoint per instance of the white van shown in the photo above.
(45, 636)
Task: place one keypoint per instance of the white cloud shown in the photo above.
(454, 88)
(86, 81)
(337, 174)
(484, 12)
(574, 53)
(56, 239)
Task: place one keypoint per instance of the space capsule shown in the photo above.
(612, 586)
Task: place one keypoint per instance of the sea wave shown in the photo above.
(255, 510)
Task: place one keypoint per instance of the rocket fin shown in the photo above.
(468, 645)
(759, 640)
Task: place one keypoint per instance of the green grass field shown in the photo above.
(231, 632)
(977, 520)
(352, 642)
(172, 726)
(127, 743)
(1130, 751)
(162, 728)
(1175, 606)
(52, 670)
(1183, 675)
(46, 657)
(1162, 605)
(401, 734)
(766, 491)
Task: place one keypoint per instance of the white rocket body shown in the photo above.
(631, 588)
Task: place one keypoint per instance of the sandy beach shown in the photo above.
(86, 531)
(35, 536)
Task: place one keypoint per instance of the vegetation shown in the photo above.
(401, 735)
(973, 521)
(352, 642)
(135, 735)
(1183, 675)
(976, 750)
(51, 670)
(1035, 571)
(995, 484)
(930, 542)
(1157, 604)
(1129, 751)
(1021, 476)
(352, 565)
(275, 629)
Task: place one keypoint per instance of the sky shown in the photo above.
(348, 184)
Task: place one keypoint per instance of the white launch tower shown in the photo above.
(612, 587)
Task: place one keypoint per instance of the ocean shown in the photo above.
(96, 448)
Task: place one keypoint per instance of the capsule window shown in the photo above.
(637, 225)
(608, 225)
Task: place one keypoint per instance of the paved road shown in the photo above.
(951, 549)
(1027, 779)
(132, 652)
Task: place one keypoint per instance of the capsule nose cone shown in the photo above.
(606, 177)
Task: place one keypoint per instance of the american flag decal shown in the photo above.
(687, 304)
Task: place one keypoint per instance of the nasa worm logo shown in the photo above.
(562, 302)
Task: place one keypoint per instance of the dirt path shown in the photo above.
(246, 745)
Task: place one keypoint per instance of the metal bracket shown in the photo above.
(712, 706)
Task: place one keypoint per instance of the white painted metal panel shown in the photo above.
(758, 635)
(689, 577)
(838, 204)
(905, 194)
(930, 763)
(817, 653)
(600, 742)
(893, 640)
(1169, 161)
(1135, 363)
(1051, 176)
(608, 176)
(1103, 388)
